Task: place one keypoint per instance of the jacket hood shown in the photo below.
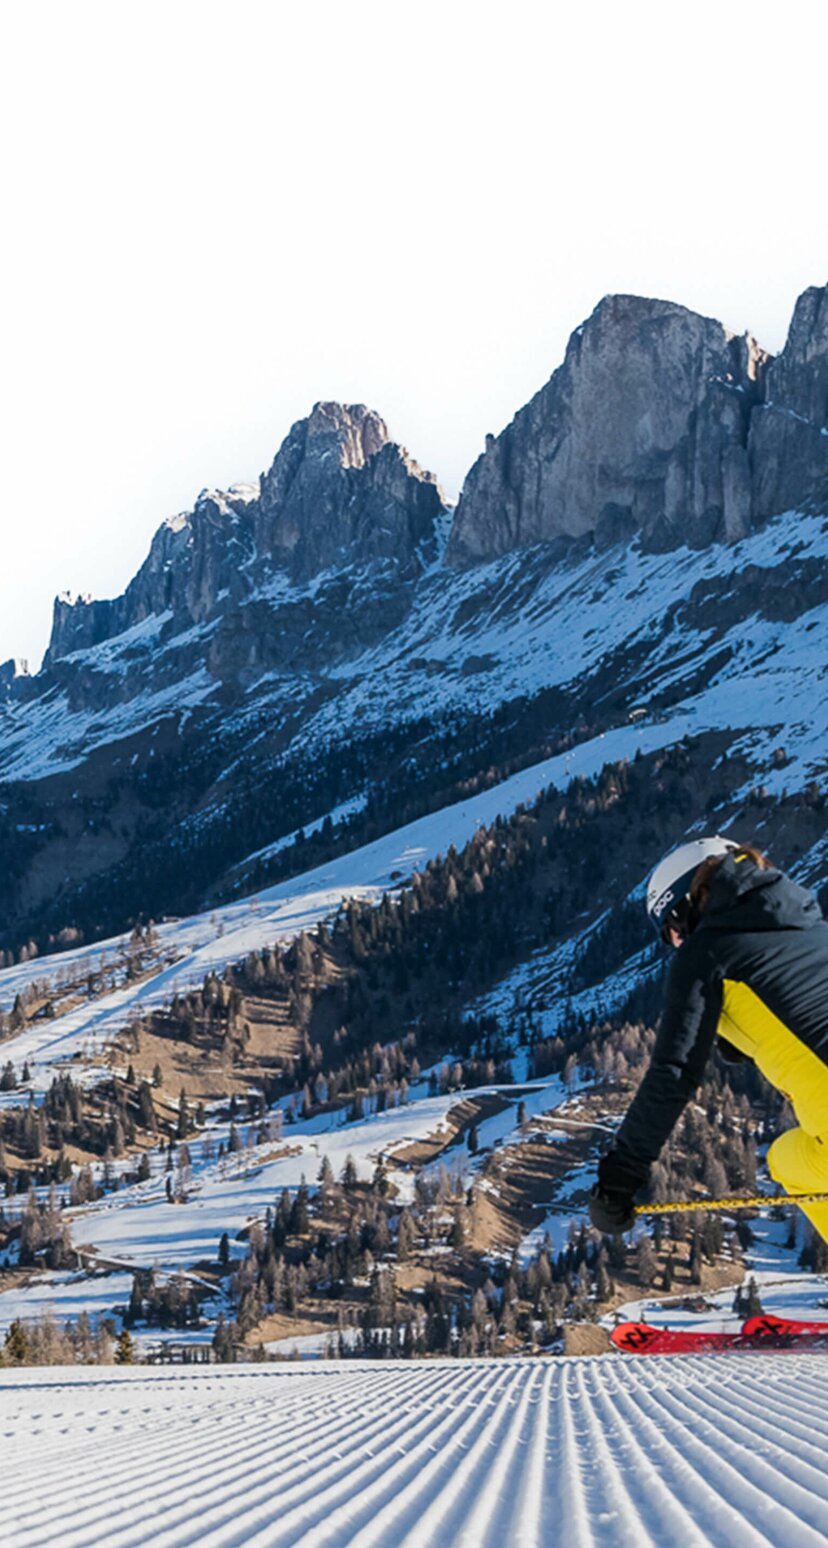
(744, 897)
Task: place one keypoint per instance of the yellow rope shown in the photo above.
(764, 1201)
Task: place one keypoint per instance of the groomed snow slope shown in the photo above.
(480, 1454)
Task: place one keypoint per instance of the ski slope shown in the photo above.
(208, 942)
(724, 1450)
(138, 1226)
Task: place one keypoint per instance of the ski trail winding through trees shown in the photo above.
(475, 1454)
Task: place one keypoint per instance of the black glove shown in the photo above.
(611, 1200)
(611, 1213)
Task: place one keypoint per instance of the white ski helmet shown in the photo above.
(669, 884)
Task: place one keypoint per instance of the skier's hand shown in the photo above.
(611, 1207)
(610, 1212)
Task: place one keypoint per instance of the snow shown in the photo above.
(311, 1345)
(45, 736)
(207, 942)
(556, 1227)
(65, 1295)
(104, 656)
(559, 626)
(137, 1225)
(534, 626)
(537, 991)
(706, 1450)
(337, 814)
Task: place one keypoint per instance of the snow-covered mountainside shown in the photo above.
(477, 1454)
(317, 653)
(389, 780)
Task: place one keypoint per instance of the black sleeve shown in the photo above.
(692, 1004)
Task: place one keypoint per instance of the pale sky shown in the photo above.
(217, 214)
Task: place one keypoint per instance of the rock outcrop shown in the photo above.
(341, 492)
(644, 428)
(788, 442)
(12, 673)
(659, 424)
(192, 559)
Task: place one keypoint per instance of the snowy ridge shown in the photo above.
(476, 639)
(477, 1454)
(47, 737)
(530, 628)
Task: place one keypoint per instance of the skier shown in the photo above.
(751, 966)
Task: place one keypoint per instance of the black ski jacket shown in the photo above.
(755, 971)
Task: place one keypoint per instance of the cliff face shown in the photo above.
(192, 558)
(659, 422)
(293, 648)
(341, 492)
(642, 429)
(338, 493)
(789, 434)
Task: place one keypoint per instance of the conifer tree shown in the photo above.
(125, 1348)
(752, 1302)
(17, 1348)
(183, 1125)
(646, 1263)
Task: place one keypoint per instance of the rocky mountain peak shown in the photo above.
(11, 673)
(789, 432)
(659, 423)
(643, 428)
(193, 556)
(340, 491)
(356, 432)
(799, 378)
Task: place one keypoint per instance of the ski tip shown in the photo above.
(634, 1337)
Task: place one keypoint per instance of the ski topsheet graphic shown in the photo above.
(765, 1332)
(769, 1326)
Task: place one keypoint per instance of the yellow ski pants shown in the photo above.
(799, 1161)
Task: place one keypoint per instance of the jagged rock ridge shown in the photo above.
(339, 492)
(789, 431)
(661, 422)
(294, 647)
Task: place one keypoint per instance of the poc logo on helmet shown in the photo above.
(672, 878)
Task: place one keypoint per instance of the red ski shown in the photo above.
(770, 1326)
(640, 1338)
